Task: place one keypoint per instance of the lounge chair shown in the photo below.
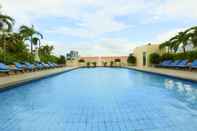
(29, 66)
(183, 64)
(174, 64)
(39, 66)
(194, 64)
(165, 63)
(51, 65)
(45, 65)
(5, 68)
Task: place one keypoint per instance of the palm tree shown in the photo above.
(36, 41)
(192, 33)
(174, 43)
(28, 33)
(183, 38)
(165, 45)
(6, 25)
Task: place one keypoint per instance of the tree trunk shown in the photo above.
(31, 45)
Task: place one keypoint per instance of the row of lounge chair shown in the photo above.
(26, 66)
(178, 64)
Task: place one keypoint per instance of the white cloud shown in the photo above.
(176, 9)
(164, 36)
(98, 17)
(103, 47)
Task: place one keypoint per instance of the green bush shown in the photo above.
(111, 63)
(10, 58)
(154, 58)
(61, 60)
(88, 64)
(81, 61)
(166, 56)
(192, 55)
(94, 64)
(131, 59)
(117, 60)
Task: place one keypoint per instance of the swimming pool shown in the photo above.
(101, 99)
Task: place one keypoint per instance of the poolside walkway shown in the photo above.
(11, 80)
(183, 74)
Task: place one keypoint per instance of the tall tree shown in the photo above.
(192, 32)
(183, 38)
(166, 44)
(29, 33)
(6, 25)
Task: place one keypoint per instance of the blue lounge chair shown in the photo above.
(39, 66)
(45, 65)
(20, 66)
(51, 65)
(194, 64)
(165, 63)
(29, 66)
(4, 68)
(183, 64)
(174, 64)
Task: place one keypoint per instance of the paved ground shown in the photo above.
(183, 74)
(10, 80)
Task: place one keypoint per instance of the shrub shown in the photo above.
(154, 58)
(61, 60)
(131, 59)
(117, 60)
(88, 64)
(192, 55)
(166, 56)
(111, 63)
(81, 61)
(104, 64)
(94, 64)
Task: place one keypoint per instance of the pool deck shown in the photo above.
(12, 80)
(182, 74)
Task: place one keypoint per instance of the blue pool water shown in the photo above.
(101, 99)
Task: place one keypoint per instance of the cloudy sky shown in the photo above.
(103, 27)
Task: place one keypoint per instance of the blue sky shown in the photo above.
(103, 27)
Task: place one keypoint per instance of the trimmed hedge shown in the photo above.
(192, 55)
(154, 58)
(131, 59)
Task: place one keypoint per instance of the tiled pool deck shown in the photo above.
(11, 80)
(182, 74)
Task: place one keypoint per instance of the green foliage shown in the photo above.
(111, 63)
(94, 64)
(61, 60)
(117, 60)
(154, 58)
(131, 59)
(104, 64)
(192, 55)
(45, 53)
(81, 61)
(166, 56)
(88, 64)
(181, 39)
(19, 57)
(13, 46)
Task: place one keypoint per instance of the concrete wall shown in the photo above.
(148, 49)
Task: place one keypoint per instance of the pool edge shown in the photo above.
(15, 84)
